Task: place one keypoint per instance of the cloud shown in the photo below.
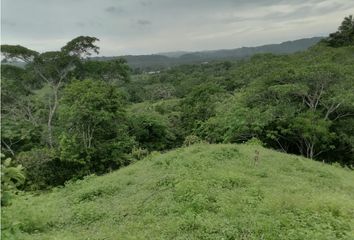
(143, 22)
(8, 23)
(89, 24)
(81, 24)
(146, 3)
(148, 26)
(285, 12)
(114, 10)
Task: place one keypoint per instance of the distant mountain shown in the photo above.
(163, 60)
(282, 48)
(175, 54)
(14, 63)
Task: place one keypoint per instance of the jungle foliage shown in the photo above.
(65, 115)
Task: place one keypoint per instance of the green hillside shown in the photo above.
(162, 61)
(198, 192)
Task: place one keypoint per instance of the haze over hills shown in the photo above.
(163, 60)
(174, 54)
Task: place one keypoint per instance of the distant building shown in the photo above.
(153, 72)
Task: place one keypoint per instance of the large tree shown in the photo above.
(20, 128)
(53, 68)
(94, 126)
(115, 71)
(345, 34)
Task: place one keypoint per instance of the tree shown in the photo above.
(199, 105)
(94, 127)
(344, 36)
(151, 131)
(160, 91)
(20, 129)
(53, 67)
(302, 104)
(311, 133)
(114, 71)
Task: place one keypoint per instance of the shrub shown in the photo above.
(139, 153)
(37, 166)
(44, 169)
(11, 178)
(255, 142)
(151, 131)
(192, 139)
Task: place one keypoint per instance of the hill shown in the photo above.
(198, 192)
(165, 60)
(169, 59)
(232, 54)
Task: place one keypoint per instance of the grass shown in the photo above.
(200, 192)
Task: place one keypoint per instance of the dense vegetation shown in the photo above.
(66, 117)
(200, 192)
(156, 62)
(300, 103)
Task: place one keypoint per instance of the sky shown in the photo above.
(153, 26)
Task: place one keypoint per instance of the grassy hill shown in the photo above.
(199, 192)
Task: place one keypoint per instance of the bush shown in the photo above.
(255, 142)
(37, 166)
(11, 178)
(151, 131)
(44, 169)
(139, 153)
(191, 139)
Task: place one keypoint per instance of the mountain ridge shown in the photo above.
(153, 62)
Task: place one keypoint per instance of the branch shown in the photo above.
(343, 115)
(8, 148)
(41, 74)
(319, 96)
(331, 109)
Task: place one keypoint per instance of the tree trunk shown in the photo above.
(310, 149)
(52, 110)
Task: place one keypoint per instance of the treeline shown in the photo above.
(64, 117)
(300, 103)
(157, 62)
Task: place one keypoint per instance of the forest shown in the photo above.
(65, 116)
(70, 120)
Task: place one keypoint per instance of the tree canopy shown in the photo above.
(345, 34)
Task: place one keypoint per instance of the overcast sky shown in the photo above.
(151, 26)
